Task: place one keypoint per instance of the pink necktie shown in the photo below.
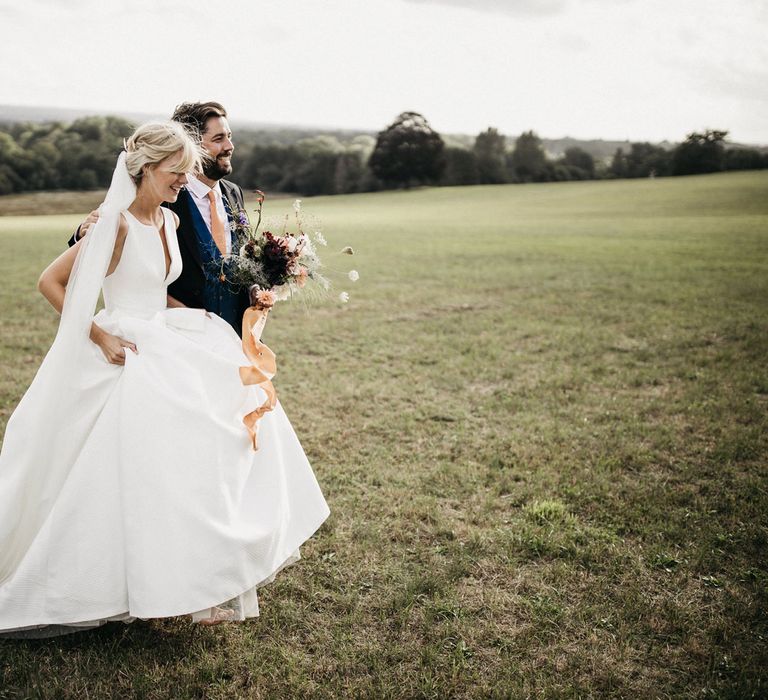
(217, 226)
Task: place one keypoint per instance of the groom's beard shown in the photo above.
(217, 168)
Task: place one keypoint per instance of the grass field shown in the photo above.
(541, 427)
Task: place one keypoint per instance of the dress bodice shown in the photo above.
(138, 286)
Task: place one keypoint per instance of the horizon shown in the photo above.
(245, 124)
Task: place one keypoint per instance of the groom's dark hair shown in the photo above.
(194, 115)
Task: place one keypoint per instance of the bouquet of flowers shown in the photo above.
(275, 266)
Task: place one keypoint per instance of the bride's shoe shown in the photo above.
(218, 615)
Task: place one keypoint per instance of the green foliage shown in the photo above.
(310, 167)
(81, 155)
(547, 512)
(542, 431)
(745, 159)
(408, 152)
(490, 153)
(528, 161)
(582, 161)
(700, 153)
(461, 167)
(78, 156)
(643, 160)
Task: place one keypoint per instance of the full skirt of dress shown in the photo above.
(157, 505)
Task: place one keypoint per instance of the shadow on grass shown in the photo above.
(166, 638)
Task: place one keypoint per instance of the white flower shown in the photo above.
(282, 292)
(292, 243)
(307, 249)
(320, 238)
(354, 275)
(344, 297)
(297, 205)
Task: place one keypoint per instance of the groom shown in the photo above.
(206, 208)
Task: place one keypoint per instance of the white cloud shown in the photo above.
(518, 8)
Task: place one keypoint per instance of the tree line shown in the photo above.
(57, 156)
(80, 155)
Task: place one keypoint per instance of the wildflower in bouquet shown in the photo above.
(282, 263)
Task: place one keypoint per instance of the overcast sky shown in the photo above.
(614, 69)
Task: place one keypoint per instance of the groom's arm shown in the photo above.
(233, 194)
(83, 228)
(240, 197)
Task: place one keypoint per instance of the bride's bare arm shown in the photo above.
(53, 286)
(53, 280)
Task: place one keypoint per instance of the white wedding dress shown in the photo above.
(148, 499)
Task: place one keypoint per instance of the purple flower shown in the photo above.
(243, 219)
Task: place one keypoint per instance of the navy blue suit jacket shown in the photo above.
(189, 287)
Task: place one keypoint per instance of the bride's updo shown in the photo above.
(154, 142)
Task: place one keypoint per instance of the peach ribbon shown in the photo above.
(218, 233)
(263, 367)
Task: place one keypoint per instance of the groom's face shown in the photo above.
(217, 142)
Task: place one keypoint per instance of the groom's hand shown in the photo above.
(87, 225)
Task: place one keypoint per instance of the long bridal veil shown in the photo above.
(41, 441)
(93, 260)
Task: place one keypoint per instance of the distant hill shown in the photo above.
(15, 113)
(290, 133)
(597, 148)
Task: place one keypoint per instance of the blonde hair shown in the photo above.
(156, 141)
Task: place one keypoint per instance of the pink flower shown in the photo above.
(262, 298)
(265, 297)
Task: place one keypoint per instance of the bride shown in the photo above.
(129, 486)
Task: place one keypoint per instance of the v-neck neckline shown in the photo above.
(162, 231)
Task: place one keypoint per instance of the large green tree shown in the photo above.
(528, 161)
(643, 160)
(409, 151)
(490, 153)
(700, 153)
(578, 158)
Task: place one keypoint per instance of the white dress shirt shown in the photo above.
(199, 191)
